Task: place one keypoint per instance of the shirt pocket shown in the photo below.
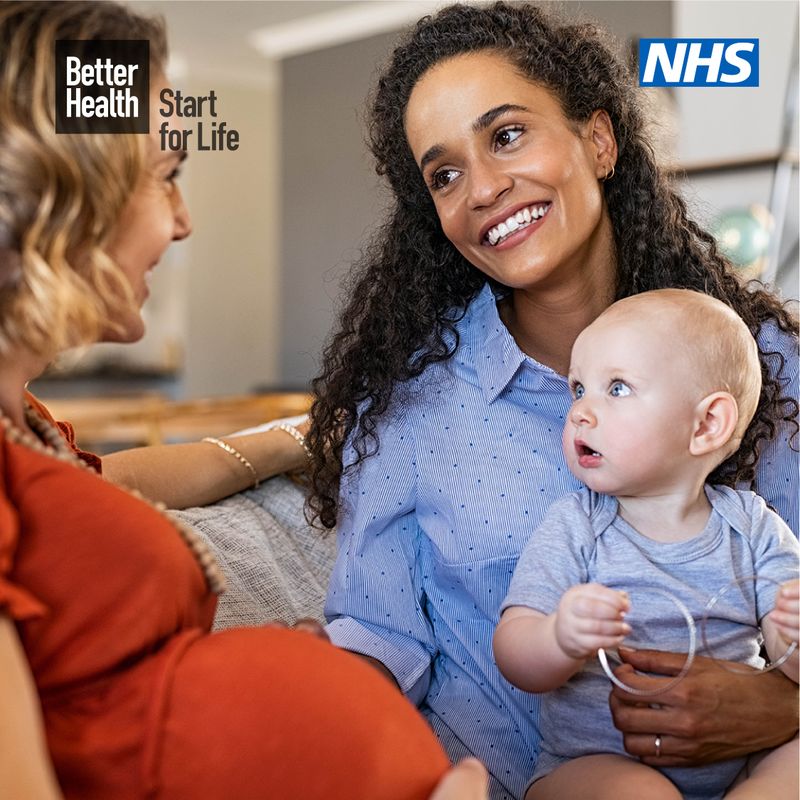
(475, 588)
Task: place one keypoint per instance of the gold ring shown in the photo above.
(658, 745)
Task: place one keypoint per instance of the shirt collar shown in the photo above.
(497, 356)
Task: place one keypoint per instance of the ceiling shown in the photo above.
(216, 37)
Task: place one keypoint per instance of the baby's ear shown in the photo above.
(715, 422)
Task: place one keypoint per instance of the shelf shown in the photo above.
(762, 161)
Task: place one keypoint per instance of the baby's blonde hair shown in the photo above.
(60, 194)
(712, 336)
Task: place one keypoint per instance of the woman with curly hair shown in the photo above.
(112, 685)
(526, 201)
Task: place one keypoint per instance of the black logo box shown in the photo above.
(127, 52)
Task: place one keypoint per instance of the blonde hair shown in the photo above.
(722, 352)
(60, 194)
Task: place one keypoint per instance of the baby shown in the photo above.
(665, 384)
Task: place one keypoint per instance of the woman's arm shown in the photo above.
(711, 715)
(376, 599)
(25, 768)
(195, 474)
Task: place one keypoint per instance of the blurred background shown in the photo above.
(245, 304)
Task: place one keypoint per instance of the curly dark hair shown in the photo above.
(412, 285)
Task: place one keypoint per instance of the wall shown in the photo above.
(330, 195)
(233, 287)
(728, 124)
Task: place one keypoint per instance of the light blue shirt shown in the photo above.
(432, 526)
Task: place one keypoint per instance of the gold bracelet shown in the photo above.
(295, 434)
(237, 455)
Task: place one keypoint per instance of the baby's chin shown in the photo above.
(595, 479)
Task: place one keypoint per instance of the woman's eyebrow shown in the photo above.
(488, 117)
(480, 124)
(172, 155)
(430, 154)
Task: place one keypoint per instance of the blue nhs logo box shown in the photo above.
(698, 62)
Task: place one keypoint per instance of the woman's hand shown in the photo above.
(305, 625)
(308, 625)
(467, 780)
(590, 616)
(711, 715)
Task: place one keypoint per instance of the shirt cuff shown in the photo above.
(403, 656)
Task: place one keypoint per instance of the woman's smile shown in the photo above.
(510, 230)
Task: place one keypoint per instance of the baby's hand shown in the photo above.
(590, 616)
(786, 614)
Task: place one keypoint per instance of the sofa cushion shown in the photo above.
(277, 566)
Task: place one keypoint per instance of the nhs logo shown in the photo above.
(698, 62)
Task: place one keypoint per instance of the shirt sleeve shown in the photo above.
(776, 554)
(375, 602)
(15, 601)
(555, 558)
(778, 470)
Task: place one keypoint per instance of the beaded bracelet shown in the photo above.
(295, 434)
(237, 455)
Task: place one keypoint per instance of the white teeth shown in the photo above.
(521, 219)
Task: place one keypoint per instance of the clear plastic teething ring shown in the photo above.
(603, 657)
(704, 624)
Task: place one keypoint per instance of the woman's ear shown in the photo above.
(602, 135)
(715, 422)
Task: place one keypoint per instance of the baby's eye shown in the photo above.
(506, 136)
(619, 389)
(578, 391)
(443, 178)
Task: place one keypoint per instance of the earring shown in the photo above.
(609, 175)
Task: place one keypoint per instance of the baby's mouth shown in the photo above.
(583, 449)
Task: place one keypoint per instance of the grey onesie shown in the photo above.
(583, 540)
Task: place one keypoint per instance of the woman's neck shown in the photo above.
(16, 369)
(545, 324)
(546, 318)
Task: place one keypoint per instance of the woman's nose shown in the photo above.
(488, 181)
(183, 220)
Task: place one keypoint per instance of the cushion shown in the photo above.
(277, 566)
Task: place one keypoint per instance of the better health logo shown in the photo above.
(698, 62)
(102, 86)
